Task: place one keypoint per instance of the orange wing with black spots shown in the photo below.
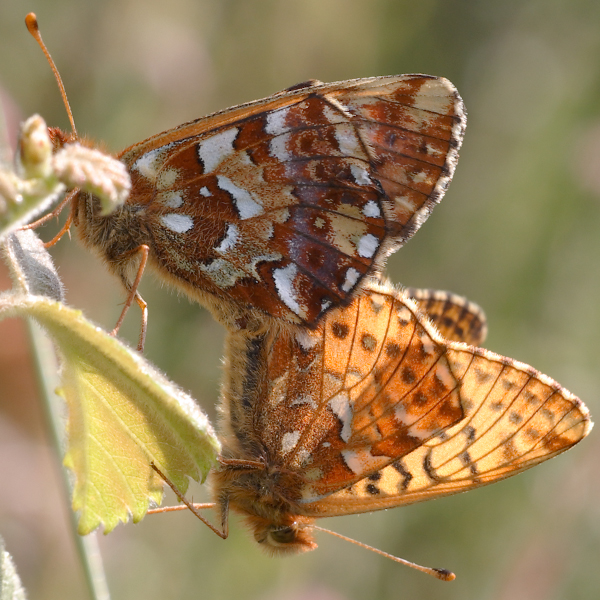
(375, 409)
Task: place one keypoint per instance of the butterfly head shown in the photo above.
(59, 138)
(292, 536)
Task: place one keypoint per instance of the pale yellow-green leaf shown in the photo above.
(122, 415)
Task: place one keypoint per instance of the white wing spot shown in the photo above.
(404, 314)
(150, 163)
(171, 199)
(347, 140)
(360, 174)
(275, 124)
(432, 151)
(340, 406)
(284, 281)
(231, 238)
(367, 246)
(214, 150)
(319, 223)
(246, 206)
(222, 272)
(306, 339)
(400, 414)
(429, 346)
(278, 148)
(325, 304)
(352, 276)
(362, 461)
(443, 373)
(204, 191)
(371, 209)
(177, 223)
(289, 441)
(167, 177)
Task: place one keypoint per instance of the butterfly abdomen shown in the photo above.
(260, 496)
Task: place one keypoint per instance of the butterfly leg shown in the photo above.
(194, 508)
(142, 251)
(242, 464)
(64, 229)
(144, 324)
(55, 213)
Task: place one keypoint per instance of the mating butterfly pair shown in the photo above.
(340, 396)
(367, 406)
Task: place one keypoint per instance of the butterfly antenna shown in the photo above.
(442, 574)
(33, 28)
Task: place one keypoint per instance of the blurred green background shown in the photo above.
(518, 232)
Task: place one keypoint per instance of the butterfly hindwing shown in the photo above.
(285, 204)
(455, 317)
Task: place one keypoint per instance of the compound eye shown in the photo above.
(284, 535)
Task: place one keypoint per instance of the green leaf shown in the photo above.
(123, 415)
(31, 267)
(10, 584)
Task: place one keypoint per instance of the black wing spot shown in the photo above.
(340, 330)
(373, 489)
(406, 475)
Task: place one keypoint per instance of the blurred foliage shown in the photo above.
(518, 232)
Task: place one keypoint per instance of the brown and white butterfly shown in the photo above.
(283, 205)
(375, 409)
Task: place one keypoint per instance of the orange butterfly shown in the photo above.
(375, 409)
(284, 205)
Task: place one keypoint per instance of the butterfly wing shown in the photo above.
(375, 410)
(455, 317)
(371, 384)
(286, 203)
(515, 418)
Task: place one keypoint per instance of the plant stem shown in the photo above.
(47, 371)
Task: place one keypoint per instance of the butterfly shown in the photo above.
(286, 203)
(283, 205)
(375, 409)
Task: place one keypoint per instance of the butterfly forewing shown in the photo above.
(388, 384)
(285, 204)
(514, 418)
